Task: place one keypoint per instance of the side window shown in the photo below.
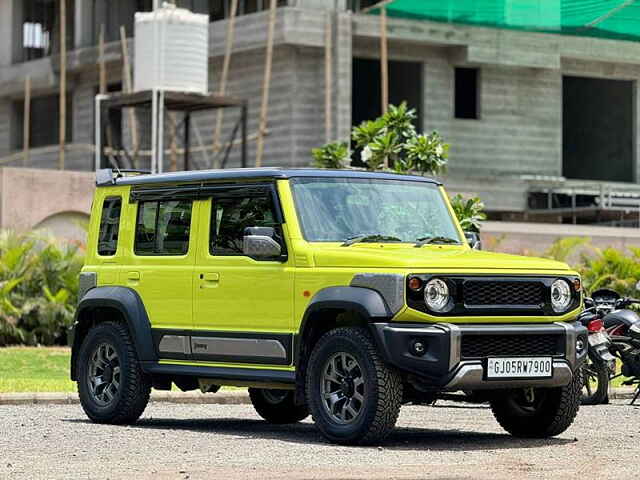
(109, 226)
(162, 227)
(230, 217)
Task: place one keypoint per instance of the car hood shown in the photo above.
(428, 257)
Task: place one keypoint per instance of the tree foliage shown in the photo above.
(391, 139)
(38, 288)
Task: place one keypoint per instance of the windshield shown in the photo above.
(339, 209)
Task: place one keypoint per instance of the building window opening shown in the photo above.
(40, 28)
(466, 93)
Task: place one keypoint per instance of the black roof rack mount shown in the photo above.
(108, 176)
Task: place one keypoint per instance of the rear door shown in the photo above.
(161, 260)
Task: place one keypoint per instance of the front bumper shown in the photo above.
(449, 365)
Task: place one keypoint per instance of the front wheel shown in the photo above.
(596, 382)
(353, 395)
(111, 385)
(277, 406)
(538, 412)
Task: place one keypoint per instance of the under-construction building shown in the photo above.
(541, 118)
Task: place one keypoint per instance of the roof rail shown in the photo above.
(108, 176)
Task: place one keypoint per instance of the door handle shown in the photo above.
(133, 276)
(211, 277)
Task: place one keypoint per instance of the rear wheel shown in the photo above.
(111, 385)
(277, 406)
(538, 412)
(353, 395)
(596, 382)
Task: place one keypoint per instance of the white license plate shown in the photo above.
(520, 367)
(597, 338)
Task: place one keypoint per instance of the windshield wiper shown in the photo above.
(436, 240)
(369, 238)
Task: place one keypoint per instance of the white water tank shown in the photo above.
(171, 50)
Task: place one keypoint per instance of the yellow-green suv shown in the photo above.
(343, 294)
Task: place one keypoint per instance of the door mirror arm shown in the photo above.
(473, 239)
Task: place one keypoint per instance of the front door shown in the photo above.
(243, 307)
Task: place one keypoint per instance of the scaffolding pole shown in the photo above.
(101, 63)
(63, 82)
(126, 73)
(26, 126)
(328, 74)
(225, 70)
(264, 108)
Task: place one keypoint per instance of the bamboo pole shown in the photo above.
(328, 74)
(63, 82)
(225, 69)
(384, 61)
(384, 68)
(26, 126)
(102, 67)
(126, 73)
(264, 108)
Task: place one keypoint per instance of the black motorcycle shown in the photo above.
(622, 327)
(600, 363)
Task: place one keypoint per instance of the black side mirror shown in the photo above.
(473, 239)
(258, 242)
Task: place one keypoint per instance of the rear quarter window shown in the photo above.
(109, 226)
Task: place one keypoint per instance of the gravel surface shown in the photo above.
(230, 441)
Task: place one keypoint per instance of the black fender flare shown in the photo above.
(366, 302)
(126, 301)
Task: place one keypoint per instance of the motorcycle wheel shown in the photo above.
(596, 382)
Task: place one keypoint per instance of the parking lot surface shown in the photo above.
(230, 441)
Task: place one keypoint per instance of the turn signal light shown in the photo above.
(576, 284)
(595, 325)
(415, 284)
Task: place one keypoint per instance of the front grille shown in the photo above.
(477, 346)
(487, 293)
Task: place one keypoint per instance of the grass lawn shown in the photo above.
(33, 369)
(46, 369)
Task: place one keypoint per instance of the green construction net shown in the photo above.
(615, 19)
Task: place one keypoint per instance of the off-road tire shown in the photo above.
(554, 415)
(135, 387)
(277, 410)
(383, 388)
(602, 376)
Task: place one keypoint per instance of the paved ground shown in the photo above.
(229, 441)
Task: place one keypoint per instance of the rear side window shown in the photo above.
(230, 217)
(162, 228)
(109, 226)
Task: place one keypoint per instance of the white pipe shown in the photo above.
(98, 130)
(154, 128)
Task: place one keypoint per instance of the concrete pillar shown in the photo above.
(342, 89)
(6, 32)
(84, 34)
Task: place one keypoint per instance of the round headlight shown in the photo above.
(436, 295)
(560, 295)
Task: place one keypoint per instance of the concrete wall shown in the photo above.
(31, 198)
(535, 238)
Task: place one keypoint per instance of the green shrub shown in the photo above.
(38, 288)
(470, 212)
(600, 268)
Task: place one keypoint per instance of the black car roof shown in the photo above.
(256, 174)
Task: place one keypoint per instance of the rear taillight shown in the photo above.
(596, 325)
